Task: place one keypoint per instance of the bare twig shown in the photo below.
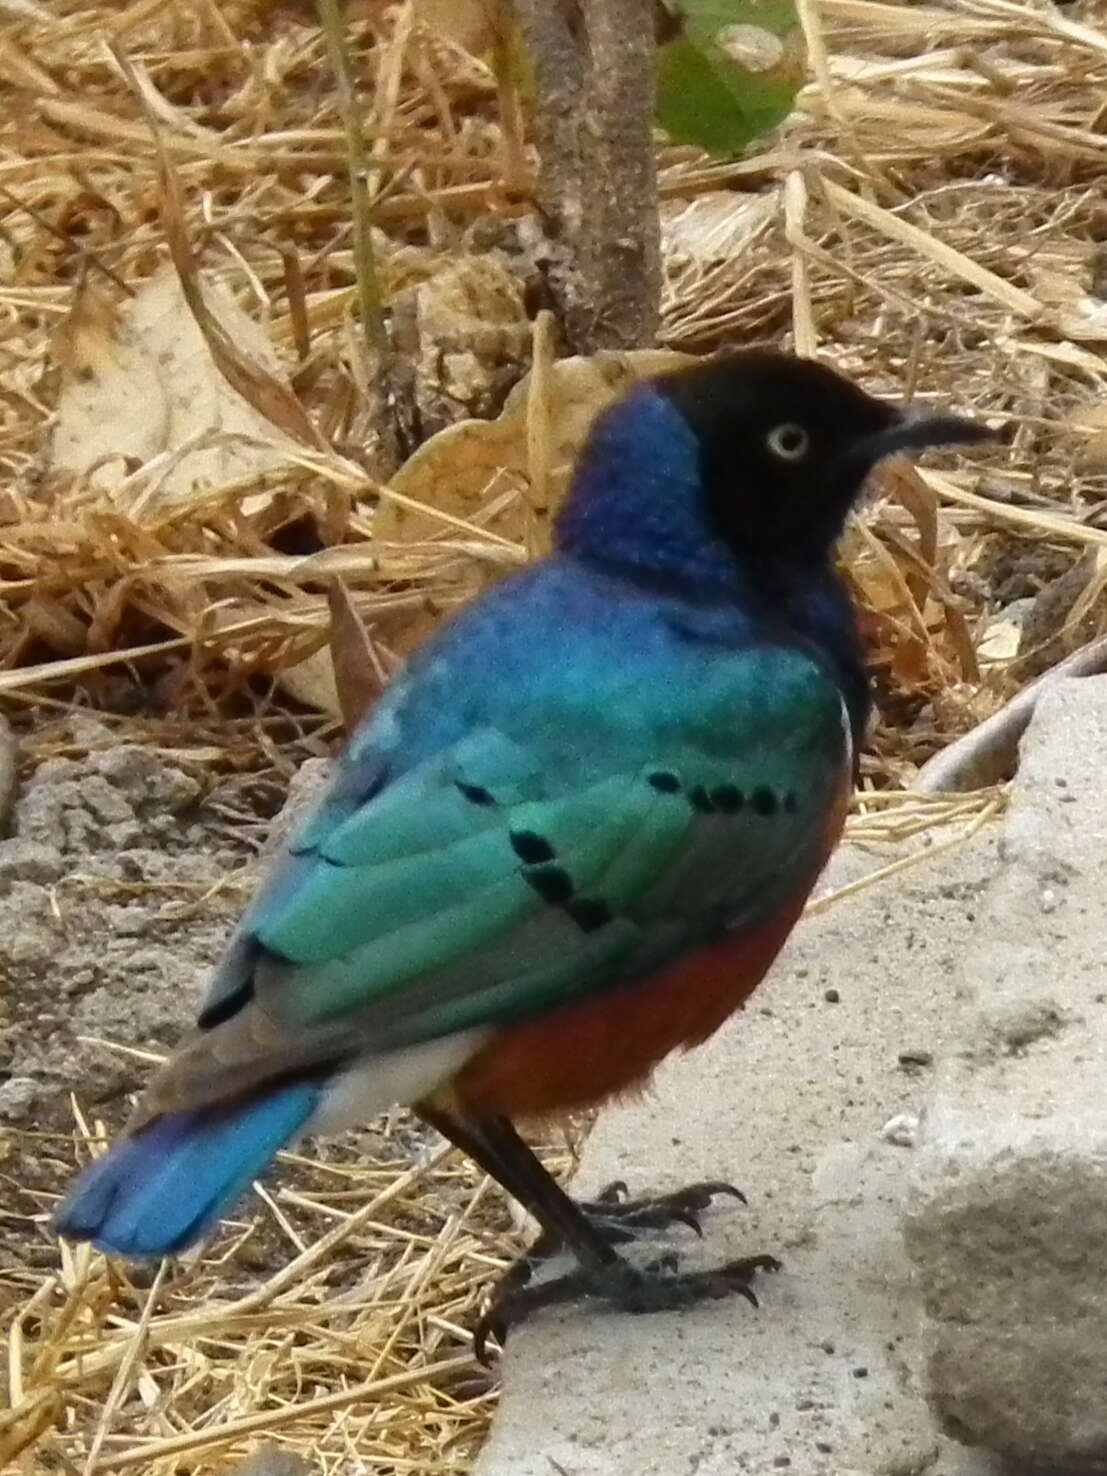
(9, 772)
(333, 23)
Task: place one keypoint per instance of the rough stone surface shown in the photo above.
(808, 1102)
(272, 1461)
(118, 885)
(125, 873)
(1008, 1220)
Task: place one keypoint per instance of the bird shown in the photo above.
(568, 839)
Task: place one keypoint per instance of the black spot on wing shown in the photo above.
(531, 847)
(664, 782)
(476, 794)
(728, 798)
(763, 801)
(555, 886)
(589, 913)
(701, 800)
(552, 883)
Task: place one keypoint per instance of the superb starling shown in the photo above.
(570, 837)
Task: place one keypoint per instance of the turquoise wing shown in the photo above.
(534, 862)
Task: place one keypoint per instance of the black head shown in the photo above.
(753, 459)
(785, 445)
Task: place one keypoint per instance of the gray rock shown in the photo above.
(24, 860)
(1007, 1225)
(17, 1096)
(271, 1460)
(108, 923)
(305, 789)
(144, 778)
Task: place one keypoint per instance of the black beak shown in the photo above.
(916, 430)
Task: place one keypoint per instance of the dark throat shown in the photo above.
(809, 601)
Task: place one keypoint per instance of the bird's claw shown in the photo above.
(660, 1287)
(656, 1212)
(490, 1324)
(736, 1276)
(614, 1192)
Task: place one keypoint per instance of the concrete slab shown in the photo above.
(809, 1103)
(1008, 1224)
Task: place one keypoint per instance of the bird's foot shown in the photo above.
(659, 1287)
(619, 1219)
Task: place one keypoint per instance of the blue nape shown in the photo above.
(637, 499)
(159, 1191)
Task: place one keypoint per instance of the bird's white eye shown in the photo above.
(788, 441)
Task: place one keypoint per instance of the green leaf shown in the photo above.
(731, 73)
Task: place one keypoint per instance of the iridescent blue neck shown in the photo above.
(637, 502)
(637, 507)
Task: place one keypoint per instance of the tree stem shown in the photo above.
(594, 63)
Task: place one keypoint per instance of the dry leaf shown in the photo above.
(717, 226)
(1001, 636)
(1090, 422)
(468, 466)
(269, 394)
(468, 338)
(141, 382)
(470, 24)
(312, 682)
(357, 672)
(342, 677)
(309, 679)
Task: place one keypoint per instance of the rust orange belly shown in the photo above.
(606, 1043)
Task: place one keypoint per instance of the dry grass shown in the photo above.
(355, 1347)
(931, 220)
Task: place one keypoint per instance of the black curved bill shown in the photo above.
(916, 430)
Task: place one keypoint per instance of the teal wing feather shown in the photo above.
(536, 861)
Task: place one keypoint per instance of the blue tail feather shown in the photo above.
(159, 1191)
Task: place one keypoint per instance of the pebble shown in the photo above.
(901, 1130)
(915, 1057)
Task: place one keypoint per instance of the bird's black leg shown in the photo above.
(588, 1232)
